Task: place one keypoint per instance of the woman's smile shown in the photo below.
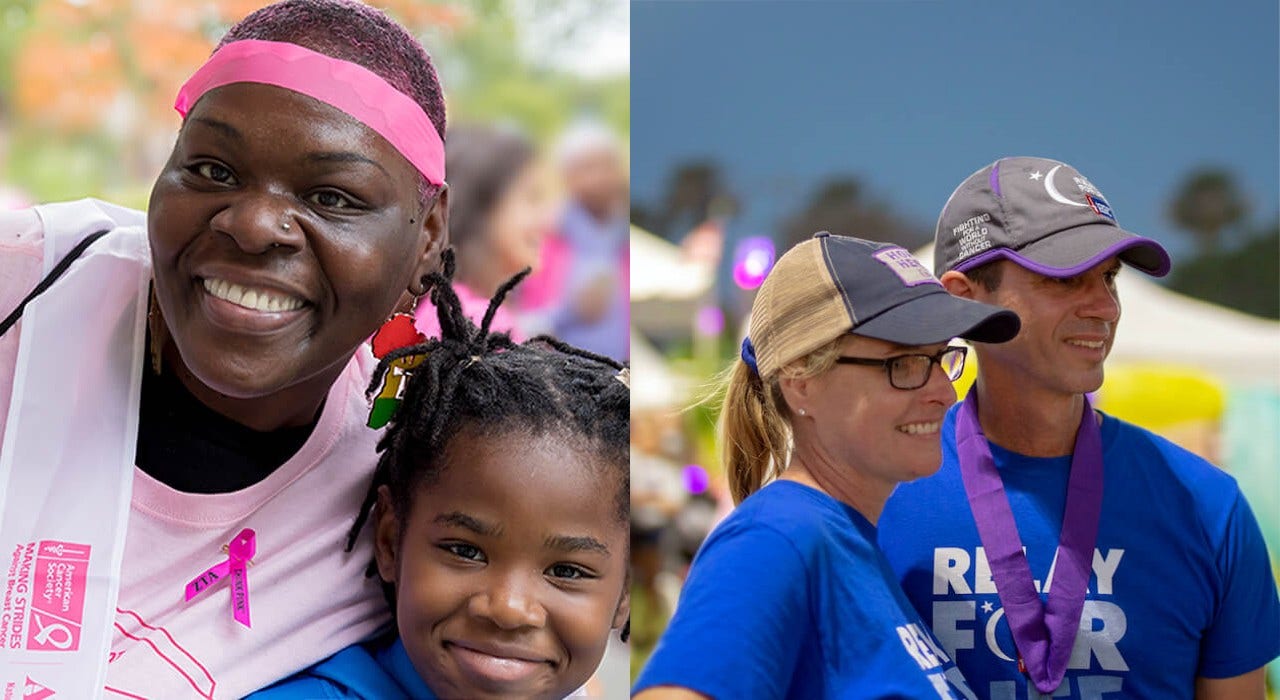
(249, 310)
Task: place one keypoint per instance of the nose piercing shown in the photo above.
(285, 226)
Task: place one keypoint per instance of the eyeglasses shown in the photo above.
(909, 372)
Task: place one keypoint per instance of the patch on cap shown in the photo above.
(1100, 206)
(905, 266)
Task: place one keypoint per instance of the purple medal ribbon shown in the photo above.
(1044, 634)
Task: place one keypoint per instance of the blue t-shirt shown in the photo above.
(371, 671)
(789, 598)
(1181, 585)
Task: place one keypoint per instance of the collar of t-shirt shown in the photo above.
(191, 448)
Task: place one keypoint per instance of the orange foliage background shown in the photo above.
(77, 61)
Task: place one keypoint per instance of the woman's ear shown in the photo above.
(434, 239)
(386, 536)
(795, 391)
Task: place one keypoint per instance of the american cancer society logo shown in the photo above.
(1100, 206)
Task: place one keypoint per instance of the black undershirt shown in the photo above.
(191, 448)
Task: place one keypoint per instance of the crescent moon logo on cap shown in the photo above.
(1052, 189)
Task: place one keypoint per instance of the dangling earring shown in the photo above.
(399, 331)
(159, 332)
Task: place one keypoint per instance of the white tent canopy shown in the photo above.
(1159, 325)
(654, 386)
(659, 272)
(667, 288)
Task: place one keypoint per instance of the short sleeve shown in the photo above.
(302, 687)
(1245, 632)
(742, 609)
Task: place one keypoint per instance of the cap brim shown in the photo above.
(1073, 251)
(939, 317)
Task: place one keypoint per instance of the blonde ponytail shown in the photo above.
(755, 438)
(755, 423)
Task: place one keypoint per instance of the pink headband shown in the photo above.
(354, 89)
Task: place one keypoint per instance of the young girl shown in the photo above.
(500, 513)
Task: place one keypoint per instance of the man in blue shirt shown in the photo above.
(1059, 552)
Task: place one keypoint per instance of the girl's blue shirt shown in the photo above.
(373, 670)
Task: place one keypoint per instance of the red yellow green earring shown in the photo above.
(398, 332)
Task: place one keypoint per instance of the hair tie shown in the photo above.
(749, 355)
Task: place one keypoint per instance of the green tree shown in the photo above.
(493, 71)
(1246, 278)
(1207, 203)
(841, 206)
(696, 191)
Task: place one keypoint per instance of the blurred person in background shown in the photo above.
(582, 294)
(499, 213)
(835, 400)
(1156, 582)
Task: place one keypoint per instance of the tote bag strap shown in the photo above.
(50, 278)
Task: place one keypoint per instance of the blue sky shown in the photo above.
(913, 96)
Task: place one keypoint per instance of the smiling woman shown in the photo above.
(834, 403)
(238, 175)
(206, 421)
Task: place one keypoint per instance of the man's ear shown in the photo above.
(959, 284)
(386, 536)
(434, 239)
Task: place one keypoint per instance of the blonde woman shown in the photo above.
(843, 383)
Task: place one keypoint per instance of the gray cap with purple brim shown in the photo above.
(1043, 215)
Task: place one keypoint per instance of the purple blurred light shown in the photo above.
(695, 478)
(710, 321)
(752, 259)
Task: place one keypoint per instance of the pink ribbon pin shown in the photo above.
(239, 551)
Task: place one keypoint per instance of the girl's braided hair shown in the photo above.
(483, 381)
